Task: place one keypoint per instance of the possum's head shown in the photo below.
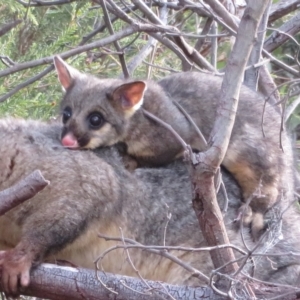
(95, 112)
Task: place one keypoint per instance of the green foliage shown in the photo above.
(50, 30)
(44, 31)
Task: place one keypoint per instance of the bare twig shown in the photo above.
(204, 32)
(44, 3)
(291, 108)
(134, 244)
(116, 43)
(169, 127)
(214, 44)
(26, 83)
(97, 44)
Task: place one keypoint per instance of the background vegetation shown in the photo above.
(50, 29)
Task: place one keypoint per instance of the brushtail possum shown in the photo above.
(91, 192)
(101, 112)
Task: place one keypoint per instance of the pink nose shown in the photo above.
(69, 141)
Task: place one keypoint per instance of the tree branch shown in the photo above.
(23, 190)
(97, 44)
(276, 39)
(251, 75)
(66, 283)
(205, 203)
(282, 8)
(44, 3)
(9, 26)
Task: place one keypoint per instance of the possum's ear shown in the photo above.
(130, 96)
(66, 73)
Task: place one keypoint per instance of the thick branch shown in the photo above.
(233, 80)
(205, 202)
(282, 8)
(22, 191)
(65, 283)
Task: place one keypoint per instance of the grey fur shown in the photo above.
(256, 161)
(92, 192)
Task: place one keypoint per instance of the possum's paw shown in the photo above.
(249, 218)
(15, 271)
(130, 163)
(257, 225)
(244, 215)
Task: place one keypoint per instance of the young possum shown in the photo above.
(101, 112)
(92, 192)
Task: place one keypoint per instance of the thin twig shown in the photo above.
(116, 43)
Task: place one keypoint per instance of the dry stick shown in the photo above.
(288, 36)
(23, 190)
(282, 34)
(66, 283)
(214, 44)
(113, 8)
(26, 83)
(271, 283)
(266, 82)
(136, 245)
(162, 68)
(189, 51)
(291, 108)
(163, 13)
(282, 8)
(205, 203)
(137, 27)
(204, 32)
(44, 3)
(211, 13)
(251, 75)
(280, 64)
(149, 47)
(218, 177)
(116, 43)
(184, 145)
(151, 249)
(143, 53)
(221, 11)
(9, 26)
(131, 262)
(46, 71)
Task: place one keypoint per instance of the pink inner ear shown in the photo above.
(130, 94)
(63, 73)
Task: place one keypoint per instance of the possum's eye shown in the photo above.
(67, 113)
(95, 120)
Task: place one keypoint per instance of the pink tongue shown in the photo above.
(69, 141)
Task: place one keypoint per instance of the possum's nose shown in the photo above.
(69, 141)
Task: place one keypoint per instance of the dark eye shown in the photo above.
(95, 120)
(67, 113)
